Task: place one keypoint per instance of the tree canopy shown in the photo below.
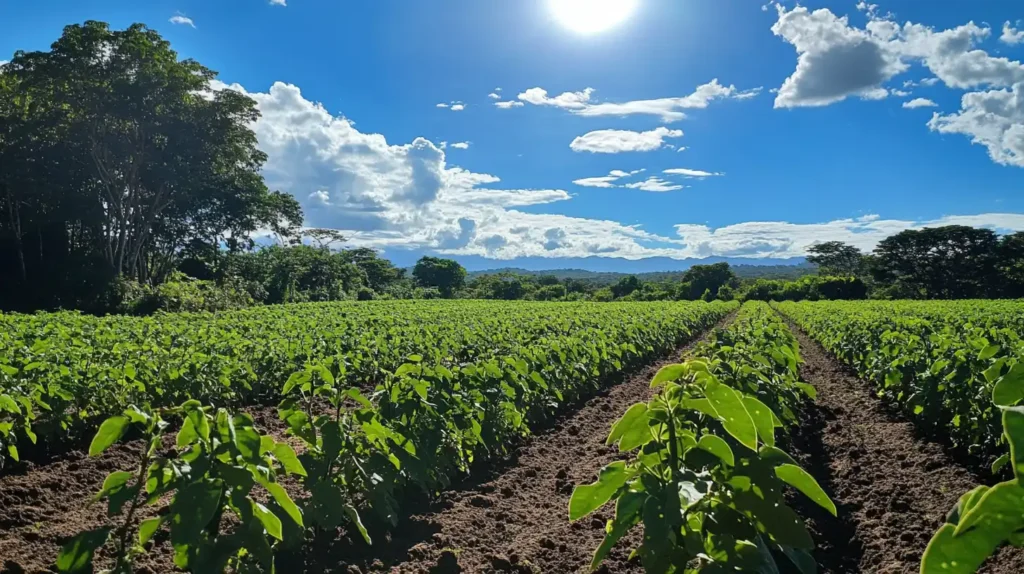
(446, 275)
(117, 157)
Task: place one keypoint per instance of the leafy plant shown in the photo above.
(222, 459)
(707, 480)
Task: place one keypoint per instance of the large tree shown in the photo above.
(446, 275)
(125, 156)
(836, 258)
(951, 262)
(700, 278)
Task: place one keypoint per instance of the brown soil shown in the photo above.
(516, 519)
(892, 487)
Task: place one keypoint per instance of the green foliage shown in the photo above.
(836, 258)
(100, 182)
(810, 288)
(938, 361)
(445, 275)
(220, 460)
(951, 262)
(707, 481)
(699, 279)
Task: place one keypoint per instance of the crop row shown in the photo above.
(942, 362)
(362, 451)
(59, 369)
(707, 481)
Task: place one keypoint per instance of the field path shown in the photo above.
(516, 519)
(892, 487)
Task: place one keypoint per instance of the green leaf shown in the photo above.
(589, 497)
(353, 515)
(988, 352)
(286, 456)
(10, 405)
(76, 555)
(187, 434)
(110, 432)
(271, 523)
(718, 447)
(701, 405)
(1000, 510)
(805, 483)
(284, 501)
(668, 373)
(775, 456)
(1013, 429)
(762, 417)
(1010, 388)
(1000, 462)
(192, 509)
(627, 515)
(114, 481)
(147, 528)
(633, 429)
(296, 379)
(950, 554)
(732, 413)
(808, 390)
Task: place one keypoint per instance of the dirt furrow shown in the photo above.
(517, 521)
(892, 488)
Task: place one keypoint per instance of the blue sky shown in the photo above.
(760, 128)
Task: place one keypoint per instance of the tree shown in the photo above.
(836, 258)
(951, 262)
(380, 273)
(701, 278)
(625, 286)
(124, 156)
(1011, 265)
(446, 275)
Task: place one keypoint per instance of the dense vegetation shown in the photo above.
(414, 394)
(707, 481)
(940, 362)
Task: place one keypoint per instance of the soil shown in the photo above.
(516, 520)
(892, 487)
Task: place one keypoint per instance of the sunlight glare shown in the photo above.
(591, 16)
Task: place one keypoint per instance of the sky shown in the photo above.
(514, 134)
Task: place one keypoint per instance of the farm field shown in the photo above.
(446, 436)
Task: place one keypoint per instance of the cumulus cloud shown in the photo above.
(461, 145)
(180, 19)
(494, 96)
(994, 119)
(606, 180)
(279, 2)
(668, 109)
(617, 141)
(455, 106)
(509, 104)
(458, 107)
(406, 196)
(920, 103)
(835, 61)
(1011, 35)
(691, 172)
(441, 105)
(655, 184)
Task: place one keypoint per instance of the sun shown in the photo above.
(591, 16)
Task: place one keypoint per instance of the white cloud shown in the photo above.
(458, 107)
(654, 184)
(279, 2)
(781, 239)
(668, 109)
(835, 60)
(900, 93)
(441, 105)
(461, 145)
(2, 62)
(617, 141)
(406, 196)
(497, 89)
(606, 180)
(179, 19)
(920, 103)
(509, 104)
(994, 119)
(692, 172)
(494, 96)
(1011, 35)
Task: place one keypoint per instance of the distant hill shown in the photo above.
(743, 271)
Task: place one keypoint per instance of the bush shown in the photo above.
(365, 294)
(183, 293)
